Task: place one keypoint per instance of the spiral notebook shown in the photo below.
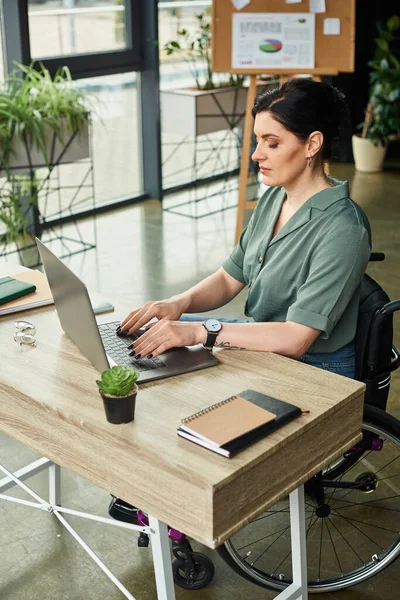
(232, 424)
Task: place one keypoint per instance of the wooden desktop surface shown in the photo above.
(49, 402)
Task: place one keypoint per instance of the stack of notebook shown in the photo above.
(232, 424)
(24, 291)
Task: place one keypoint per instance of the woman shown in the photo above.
(302, 255)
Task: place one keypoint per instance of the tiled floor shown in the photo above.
(143, 252)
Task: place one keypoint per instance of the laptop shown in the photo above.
(99, 342)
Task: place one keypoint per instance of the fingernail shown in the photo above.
(137, 356)
(119, 327)
(130, 346)
(132, 353)
(149, 356)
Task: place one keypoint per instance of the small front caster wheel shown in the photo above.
(143, 540)
(193, 577)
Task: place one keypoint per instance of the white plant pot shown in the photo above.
(367, 157)
(198, 112)
(21, 157)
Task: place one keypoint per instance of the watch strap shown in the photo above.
(210, 341)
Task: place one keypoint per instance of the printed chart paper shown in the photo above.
(273, 40)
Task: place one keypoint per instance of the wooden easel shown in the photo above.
(333, 54)
(243, 203)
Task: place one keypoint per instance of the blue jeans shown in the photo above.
(341, 361)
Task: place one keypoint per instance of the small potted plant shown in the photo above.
(118, 389)
(382, 115)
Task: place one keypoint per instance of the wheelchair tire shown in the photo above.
(343, 545)
(203, 572)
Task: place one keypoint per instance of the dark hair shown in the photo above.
(303, 106)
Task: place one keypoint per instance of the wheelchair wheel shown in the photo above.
(194, 578)
(352, 519)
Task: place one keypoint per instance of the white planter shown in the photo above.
(367, 157)
(198, 112)
(21, 157)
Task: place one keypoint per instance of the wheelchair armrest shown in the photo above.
(391, 307)
(376, 256)
(379, 318)
(392, 366)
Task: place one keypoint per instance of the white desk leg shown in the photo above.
(54, 485)
(298, 535)
(162, 559)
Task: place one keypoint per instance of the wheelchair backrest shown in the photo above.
(373, 298)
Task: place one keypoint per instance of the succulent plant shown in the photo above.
(117, 381)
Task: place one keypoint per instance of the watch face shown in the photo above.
(213, 325)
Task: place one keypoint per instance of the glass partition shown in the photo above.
(116, 136)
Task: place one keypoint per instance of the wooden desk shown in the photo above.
(49, 402)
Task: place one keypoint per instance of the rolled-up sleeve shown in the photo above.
(336, 270)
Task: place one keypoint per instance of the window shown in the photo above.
(90, 37)
(73, 27)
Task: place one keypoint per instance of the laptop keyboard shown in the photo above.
(117, 347)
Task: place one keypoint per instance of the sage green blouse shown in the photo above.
(310, 272)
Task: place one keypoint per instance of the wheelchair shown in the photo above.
(352, 506)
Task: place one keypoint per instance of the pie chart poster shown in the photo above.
(273, 40)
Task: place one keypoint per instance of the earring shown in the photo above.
(309, 159)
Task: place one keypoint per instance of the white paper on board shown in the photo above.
(238, 4)
(317, 6)
(273, 40)
(331, 26)
(293, 1)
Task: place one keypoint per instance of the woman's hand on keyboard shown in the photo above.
(165, 334)
(170, 309)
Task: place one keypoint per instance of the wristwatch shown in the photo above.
(213, 327)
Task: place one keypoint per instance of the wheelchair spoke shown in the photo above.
(320, 549)
(311, 523)
(347, 542)
(369, 503)
(272, 513)
(270, 546)
(389, 477)
(351, 522)
(282, 561)
(377, 500)
(389, 463)
(369, 524)
(265, 537)
(334, 548)
(340, 479)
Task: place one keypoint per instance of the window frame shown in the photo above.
(92, 64)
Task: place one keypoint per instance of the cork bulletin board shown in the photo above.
(333, 53)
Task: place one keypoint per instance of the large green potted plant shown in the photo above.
(44, 121)
(117, 387)
(382, 115)
(215, 100)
